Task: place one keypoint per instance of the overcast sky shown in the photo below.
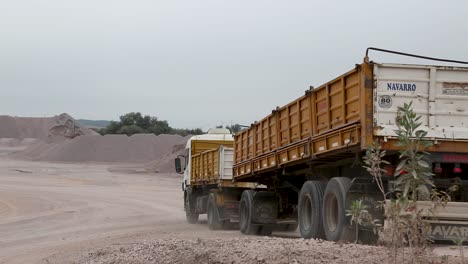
(202, 63)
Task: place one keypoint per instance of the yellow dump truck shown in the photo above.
(308, 153)
(208, 184)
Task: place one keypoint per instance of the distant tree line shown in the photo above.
(135, 122)
(94, 123)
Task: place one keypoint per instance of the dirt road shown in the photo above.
(48, 208)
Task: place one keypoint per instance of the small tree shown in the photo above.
(373, 161)
(459, 242)
(359, 215)
(413, 171)
(406, 223)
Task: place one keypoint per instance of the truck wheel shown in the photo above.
(310, 209)
(334, 219)
(190, 214)
(214, 223)
(245, 213)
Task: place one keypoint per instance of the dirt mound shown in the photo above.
(62, 138)
(44, 128)
(108, 148)
(165, 164)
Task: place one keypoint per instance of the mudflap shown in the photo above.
(230, 211)
(363, 188)
(202, 202)
(264, 208)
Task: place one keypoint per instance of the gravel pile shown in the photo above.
(108, 148)
(238, 250)
(165, 164)
(43, 128)
(61, 138)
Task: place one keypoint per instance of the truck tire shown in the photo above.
(214, 223)
(190, 213)
(245, 213)
(334, 218)
(310, 209)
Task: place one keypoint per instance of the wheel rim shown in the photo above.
(332, 213)
(306, 215)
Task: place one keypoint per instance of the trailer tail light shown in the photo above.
(389, 170)
(231, 205)
(457, 168)
(437, 168)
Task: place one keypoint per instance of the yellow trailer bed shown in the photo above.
(343, 116)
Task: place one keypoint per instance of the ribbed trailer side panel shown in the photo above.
(212, 166)
(323, 120)
(205, 160)
(205, 167)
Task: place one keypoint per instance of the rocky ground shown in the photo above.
(237, 250)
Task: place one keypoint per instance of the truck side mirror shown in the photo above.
(178, 165)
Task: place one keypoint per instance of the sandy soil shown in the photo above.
(50, 208)
(84, 213)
